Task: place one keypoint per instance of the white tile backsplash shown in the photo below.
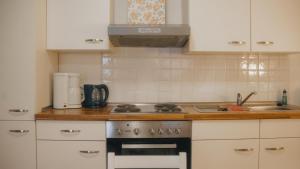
(87, 64)
(167, 75)
(294, 72)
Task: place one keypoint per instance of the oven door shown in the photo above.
(148, 153)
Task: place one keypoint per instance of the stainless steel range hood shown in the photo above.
(168, 35)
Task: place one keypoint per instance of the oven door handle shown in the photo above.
(147, 146)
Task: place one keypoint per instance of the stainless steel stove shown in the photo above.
(148, 129)
(148, 144)
(148, 108)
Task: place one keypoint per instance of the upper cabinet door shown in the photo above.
(275, 25)
(218, 25)
(77, 24)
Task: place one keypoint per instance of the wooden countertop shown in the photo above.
(103, 114)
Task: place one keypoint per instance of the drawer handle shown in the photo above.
(268, 43)
(19, 131)
(89, 152)
(70, 131)
(237, 43)
(274, 148)
(93, 41)
(18, 110)
(244, 149)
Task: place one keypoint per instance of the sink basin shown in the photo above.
(210, 108)
(219, 109)
(271, 108)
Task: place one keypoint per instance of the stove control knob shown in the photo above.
(170, 131)
(136, 131)
(160, 131)
(178, 131)
(152, 131)
(119, 131)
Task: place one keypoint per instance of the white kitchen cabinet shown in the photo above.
(16, 61)
(25, 67)
(225, 154)
(275, 25)
(70, 130)
(218, 25)
(226, 144)
(17, 145)
(78, 24)
(279, 144)
(280, 153)
(280, 128)
(71, 155)
(225, 129)
(71, 144)
(244, 26)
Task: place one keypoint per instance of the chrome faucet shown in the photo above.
(240, 100)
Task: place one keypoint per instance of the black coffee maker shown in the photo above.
(95, 96)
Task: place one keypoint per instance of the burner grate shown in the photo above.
(127, 108)
(167, 108)
(148, 108)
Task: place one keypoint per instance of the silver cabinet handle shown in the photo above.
(274, 148)
(93, 41)
(18, 110)
(19, 131)
(89, 152)
(70, 131)
(237, 42)
(243, 149)
(265, 43)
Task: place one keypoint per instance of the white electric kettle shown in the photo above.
(66, 90)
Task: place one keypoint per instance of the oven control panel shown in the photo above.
(148, 129)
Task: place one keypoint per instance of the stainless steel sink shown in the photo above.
(219, 108)
(210, 108)
(271, 108)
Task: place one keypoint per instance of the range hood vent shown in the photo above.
(168, 35)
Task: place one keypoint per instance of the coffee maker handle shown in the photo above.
(103, 86)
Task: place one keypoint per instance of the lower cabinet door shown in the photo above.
(280, 153)
(71, 154)
(17, 145)
(225, 154)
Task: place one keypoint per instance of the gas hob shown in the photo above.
(148, 108)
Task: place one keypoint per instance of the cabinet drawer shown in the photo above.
(71, 154)
(225, 129)
(70, 130)
(15, 114)
(280, 128)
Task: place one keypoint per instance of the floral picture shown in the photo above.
(146, 11)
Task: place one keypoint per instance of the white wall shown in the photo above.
(166, 75)
(46, 61)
